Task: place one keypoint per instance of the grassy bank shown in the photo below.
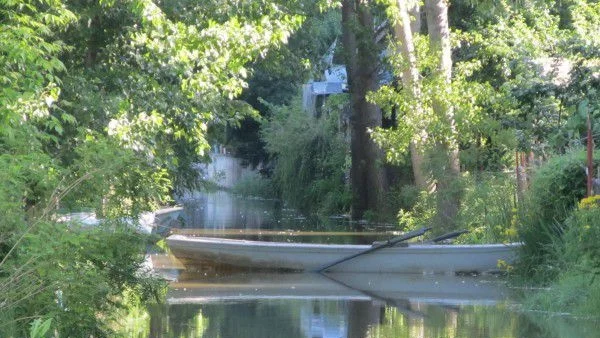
(565, 256)
(561, 232)
(73, 278)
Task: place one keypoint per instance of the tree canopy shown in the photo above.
(106, 105)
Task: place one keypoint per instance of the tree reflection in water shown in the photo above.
(356, 319)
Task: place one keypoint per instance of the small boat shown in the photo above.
(283, 256)
(158, 221)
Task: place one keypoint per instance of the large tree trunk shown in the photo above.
(448, 165)
(366, 173)
(439, 34)
(91, 53)
(403, 32)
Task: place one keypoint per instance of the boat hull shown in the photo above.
(415, 258)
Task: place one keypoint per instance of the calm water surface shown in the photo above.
(214, 304)
(331, 318)
(223, 211)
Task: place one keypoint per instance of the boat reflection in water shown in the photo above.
(333, 305)
(385, 288)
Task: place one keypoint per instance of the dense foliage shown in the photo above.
(524, 76)
(104, 106)
(311, 158)
(548, 214)
(488, 209)
(572, 265)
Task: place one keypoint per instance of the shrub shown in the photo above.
(582, 237)
(74, 275)
(558, 185)
(420, 214)
(486, 210)
(255, 185)
(576, 265)
(311, 158)
(555, 189)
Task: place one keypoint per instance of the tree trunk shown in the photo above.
(91, 53)
(366, 173)
(414, 12)
(403, 32)
(439, 34)
(448, 166)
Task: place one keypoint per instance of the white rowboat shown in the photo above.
(414, 258)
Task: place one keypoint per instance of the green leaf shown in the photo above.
(40, 329)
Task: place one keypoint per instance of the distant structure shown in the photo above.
(224, 169)
(335, 82)
(335, 79)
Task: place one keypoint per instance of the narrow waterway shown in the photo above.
(211, 303)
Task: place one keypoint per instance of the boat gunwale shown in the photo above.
(247, 244)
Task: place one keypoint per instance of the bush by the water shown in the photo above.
(582, 238)
(558, 185)
(71, 278)
(75, 276)
(576, 261)
(487, 209)
(312, 158)
(555, 189)
(254, 185)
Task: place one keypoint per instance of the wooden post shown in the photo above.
(590, 156)
(518, 174)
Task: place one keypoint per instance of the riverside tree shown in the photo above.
(487, 79)
(361, 55)
(105, 105)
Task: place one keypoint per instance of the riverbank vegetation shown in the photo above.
(560, 229)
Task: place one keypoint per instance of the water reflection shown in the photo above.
(336, 305)
(222, 210)
(353, 319)
(385, 288)
(223, 214)
(348, 305)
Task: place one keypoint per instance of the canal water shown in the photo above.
(217, 304)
